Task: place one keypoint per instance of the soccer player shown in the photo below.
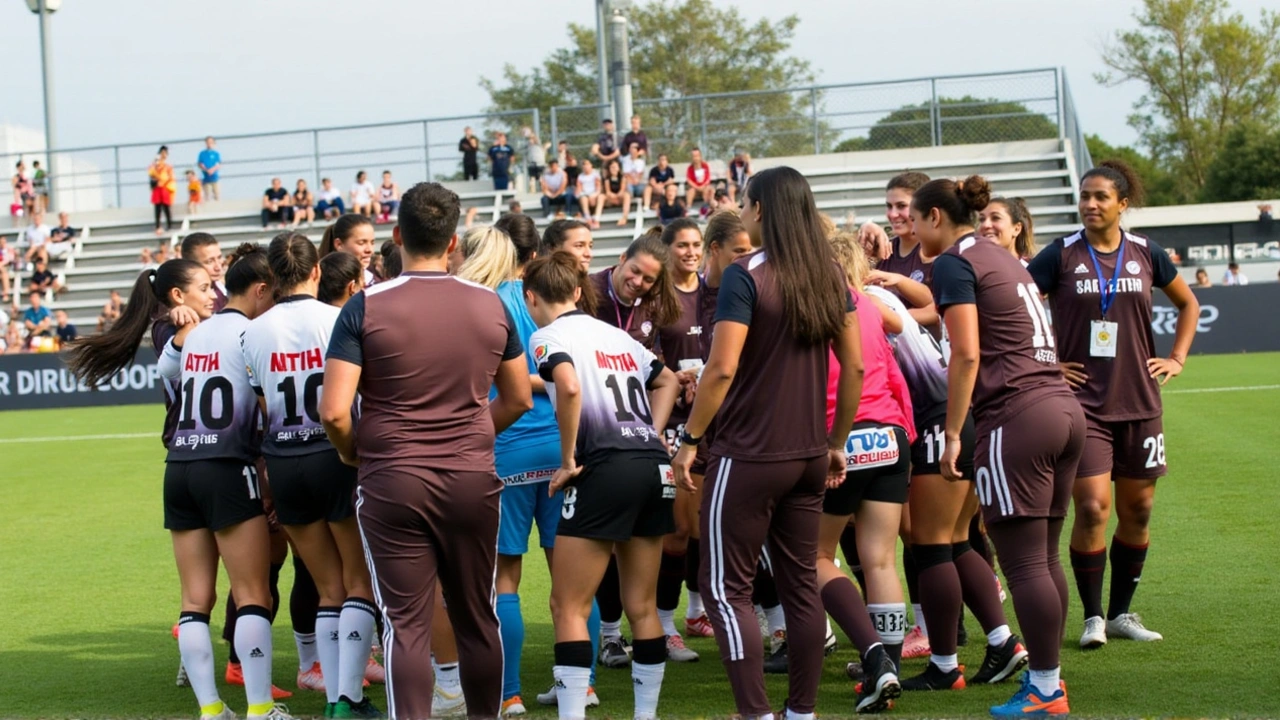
(203, 248)
(351, 233)
(341, 277)
(312, 488)
(610, 394)
(779, 311)
(1099, 281)
(572, 236)
(427, 494)
(1030, 428)
(1008, 223)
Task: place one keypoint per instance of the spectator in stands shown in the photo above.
(65, 331)
(660, 176)
(535, 156)
(8, 259)
(589, 192)
(739, 173)
(330, 205)
(361, 195)
(43, 280)
(633, 170)
(698, 182)
(303, 204)
(35, 237)
(40, 186)
(63, 232)
(1202, 278)
(24, 195)
(500, 158)
(606, 147)
(210, 162)
(276, 204)
(513, 207)
(555, 189)
(569, 162)
(723, 201)
(163, 187)
(110, 312)
(672, 206)
(14, 342)
(37, 319)
(1234, 276)
(469, 146)
(637, 137)
(615, 192)
(194, 194)
(161, 255)
(388, 203)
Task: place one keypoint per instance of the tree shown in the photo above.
(1156, 178)
(962, 120)
(691, 47)
(1205, 71)
(1248, 168)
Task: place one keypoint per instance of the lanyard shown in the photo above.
(618, 303)
(1107, 288)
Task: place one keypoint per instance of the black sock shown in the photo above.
(576, 654)
(1088, 568)
(764, 592)
(670, 581)
(304, 599)
(912, 575)
(1126, 571)
(229, 628)
(849, 546)
(692, 564)
(978, 540)
(609, 594)
(275, 589)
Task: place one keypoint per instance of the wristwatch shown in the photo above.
(687, 439)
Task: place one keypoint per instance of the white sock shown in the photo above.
(668, 620)
(777, 621)
(571, 690)
(999, 636)
(1046, 681)
(306, 644)
(196, 648)
(447, 676)
(945, 663)
(918, 613)
(890, 620)
(694, 610)
(611, 629)
(327, 619)
(253, 645)
(830, 632)
(647, 681)
(793, 715)
(355, 633)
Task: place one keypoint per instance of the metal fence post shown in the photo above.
(935, 117)
(702, 115)
(1057, 101)
(813, 104)
(426, 151)
(315, 154)
(555, 132)
(119, 201)
(537, 123)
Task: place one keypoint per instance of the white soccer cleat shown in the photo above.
(449, 704)
(1129, 626)
(226, 714)
(677, 652)
(183, 680)
(277, 712)
(830, 645)
(551, 698)
(1095, 633)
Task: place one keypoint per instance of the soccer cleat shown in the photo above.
(776, 662)
(182, 680)
(513, 706)
(1000, 663)
(879, 682)
(551, 698)
(277, 712)
(935, 679)
(1095, 633)
(677, 652)
(329, 709)
(235, 676)
(854, 671)
(916, 644)
(374, 672)
(1027, 702)
(346, 708)
(778, 641)
(448, 704)
(613, 653)
(311, 678)
(830, 645)
(1129, 626)
(699, 627)
(226, 714)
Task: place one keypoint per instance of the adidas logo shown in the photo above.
(256, 653)
(333, 636)
(1081, 269)
(355, 635)
(560, 685)
(637, 681)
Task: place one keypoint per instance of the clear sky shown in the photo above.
(151, 70)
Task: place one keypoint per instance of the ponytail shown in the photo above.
(341, 230)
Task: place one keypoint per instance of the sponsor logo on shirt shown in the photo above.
(282, 362)
(917, 275)
(646, 327)
(871, 448)
(201, 363)
(540, 352)
(1090, 286)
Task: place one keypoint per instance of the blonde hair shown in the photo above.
(489, 256)
(829, 227)
(851, 258)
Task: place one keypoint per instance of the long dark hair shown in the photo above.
(341, 229)
(792, 236)
(337, 271)
(661, 301)
(677, 226)
(98, 357)
(392, 261)
(248, 267)
(523, 233)
(292, 257)
(1025, 244)
(554, 277)
(1128, 184)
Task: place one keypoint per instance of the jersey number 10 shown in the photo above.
(639, 401)
(215, 384)
(310, 398)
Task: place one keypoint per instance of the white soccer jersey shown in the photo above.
(614, 372)
(922, 359)
(284, 351)
(218, 411)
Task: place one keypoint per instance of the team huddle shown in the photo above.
(717, 416)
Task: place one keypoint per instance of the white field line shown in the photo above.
(76, 438)
(1236, 388)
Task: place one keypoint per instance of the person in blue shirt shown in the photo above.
(500, 158)
(37, 318)
(210, 161)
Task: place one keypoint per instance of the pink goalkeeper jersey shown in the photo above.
(885, 398)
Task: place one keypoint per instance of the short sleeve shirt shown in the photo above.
(638, 138)
(681, 343)
(633, 167)
(276, 194)
(209, 158)
(217, 407)
(633, 320)
(662, 175)
(608, 143)
(501, 157)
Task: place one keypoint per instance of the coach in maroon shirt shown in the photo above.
(427, 499)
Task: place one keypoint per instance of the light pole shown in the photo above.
(45, 8)
(602, 68)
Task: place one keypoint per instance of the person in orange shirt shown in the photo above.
(193, 193)
(163, 187)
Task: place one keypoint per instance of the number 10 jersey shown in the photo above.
(217, 410)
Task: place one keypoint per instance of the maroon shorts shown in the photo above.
(1026, 467)
(1129, 449)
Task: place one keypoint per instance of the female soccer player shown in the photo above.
(609, 394)
(572, 236)
(779, 310)
(874, 490)
(340, 278)
(904, 256)
(1003, 364)
(351, 233)
(313, 490)
(485, 256)
(1007, 222)
(1099, 282)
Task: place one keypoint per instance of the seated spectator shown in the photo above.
(152, 259)
(8, 259)
(660, 177)
(555, 189)
(722, 199)
(43, 280)
(194, 193)
(35, 237)
(65, 331)
(361, 195)
(501, 155)
(14, 339)
(303, 202)
(739, 174)
(569, 162)
(110, 312)
(606, 147)
(1234, 276)
(698, 181)
(62, 238)
(275, 204)
(329, 204)
(513, 206)
(636, 137)
(37, 319)
(633, 169)
(1202, 278)
(615, 192)
(671, 206)
(589, 191)
(388, 204)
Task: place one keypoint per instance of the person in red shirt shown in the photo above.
(698, 180)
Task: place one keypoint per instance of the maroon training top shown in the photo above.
(682, 342)
(634, 320)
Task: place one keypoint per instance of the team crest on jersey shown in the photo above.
(917, 275)
(540, 352)
(1133, 267)
(646, 327)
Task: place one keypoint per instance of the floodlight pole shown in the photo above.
(46, 66)
(602, 68)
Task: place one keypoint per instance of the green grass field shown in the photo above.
(88, 588)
